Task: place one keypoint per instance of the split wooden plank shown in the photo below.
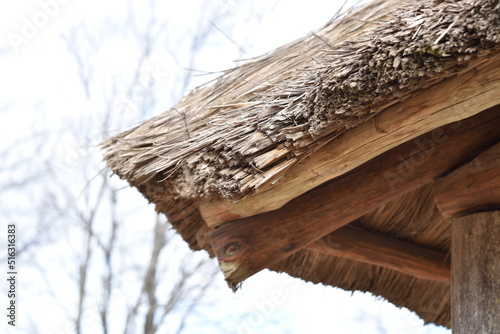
(449, 101)
(246, 246)
(476, 272)
(474, 187)
(385, 251)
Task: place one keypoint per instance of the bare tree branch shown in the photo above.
(89, 208)
(108, 250)
(85, 262)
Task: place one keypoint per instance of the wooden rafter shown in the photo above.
(385, 251)
(452, 100)
(473, 187)
(471, 195)
(248, 245)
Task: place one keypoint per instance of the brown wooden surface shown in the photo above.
(454, 99)
(385, 251)
(476, 273)
(474, 187)
(248, 245)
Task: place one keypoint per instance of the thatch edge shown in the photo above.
(200, 175)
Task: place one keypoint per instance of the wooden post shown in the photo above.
(475, 246)
(476, 273)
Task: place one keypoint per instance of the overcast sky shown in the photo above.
(41, 89)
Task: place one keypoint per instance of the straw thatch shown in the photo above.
(260, 119)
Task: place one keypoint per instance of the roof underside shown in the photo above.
(259, 120)
(414, 218)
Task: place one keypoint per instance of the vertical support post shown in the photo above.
(476, 273)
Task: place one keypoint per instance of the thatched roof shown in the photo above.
(259, 120)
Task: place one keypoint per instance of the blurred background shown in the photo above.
(93, 256)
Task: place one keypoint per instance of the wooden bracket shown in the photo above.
(246, 246)
(385, 251)
(474, 187)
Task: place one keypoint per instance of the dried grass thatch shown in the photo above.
(258, 120)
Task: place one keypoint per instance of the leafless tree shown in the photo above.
(79, 209)
(94, 207)
(75, 206)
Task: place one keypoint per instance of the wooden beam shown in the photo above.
(473, 187)
(452, 100)
(476, 273)
(246, 246)
(385, 251)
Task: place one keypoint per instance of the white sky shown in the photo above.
(39, 83)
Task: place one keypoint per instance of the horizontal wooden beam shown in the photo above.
(246, 246)
(474, 187)
(385, 251)
(452, 100)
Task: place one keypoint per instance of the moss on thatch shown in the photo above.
(260, 119)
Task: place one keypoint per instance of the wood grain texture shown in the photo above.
(246, 246)
(474, 187)
(385, 251)
(452, 100)
(476, 273)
